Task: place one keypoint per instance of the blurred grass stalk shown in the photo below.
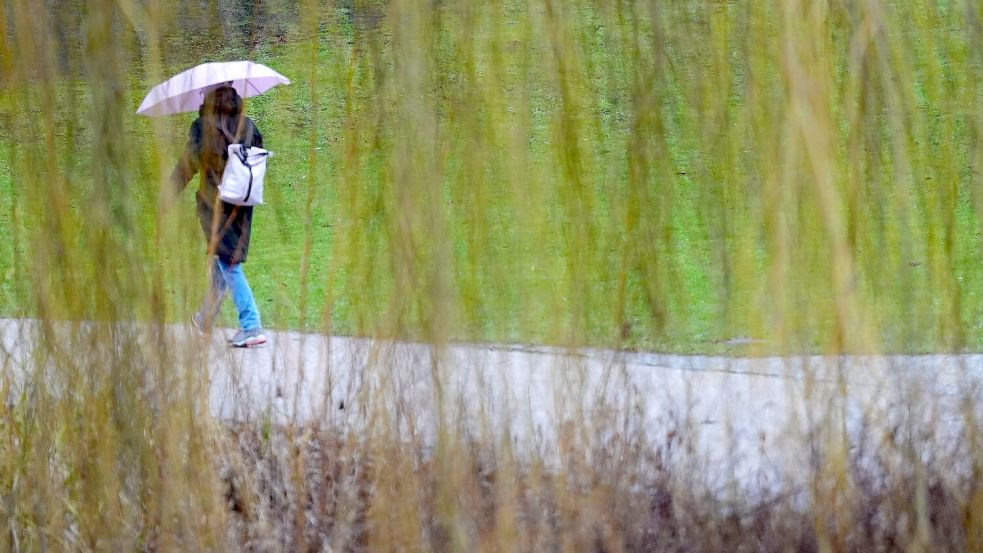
(805, 172)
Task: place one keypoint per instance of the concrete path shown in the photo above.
(742, 417)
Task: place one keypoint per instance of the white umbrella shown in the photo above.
(185, 91)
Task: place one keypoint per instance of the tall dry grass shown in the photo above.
(618, 174)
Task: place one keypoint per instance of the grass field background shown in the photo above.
(566, 173)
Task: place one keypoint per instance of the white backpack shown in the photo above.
(242, 180)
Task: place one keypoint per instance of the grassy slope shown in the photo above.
(324, 238)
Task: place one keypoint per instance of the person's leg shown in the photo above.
(242, 295)
(204, 319)
(213, 302)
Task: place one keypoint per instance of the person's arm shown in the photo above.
(190, 161)
(257, 137)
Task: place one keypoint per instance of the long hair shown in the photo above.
(221, 110)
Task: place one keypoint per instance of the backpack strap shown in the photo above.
(243, 156)
(227, 134)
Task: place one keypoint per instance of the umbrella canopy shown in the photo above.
(185, 91)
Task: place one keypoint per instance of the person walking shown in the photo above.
(227, 227)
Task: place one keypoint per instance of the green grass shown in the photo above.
(645, 187)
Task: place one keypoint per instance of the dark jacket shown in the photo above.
(227, 236)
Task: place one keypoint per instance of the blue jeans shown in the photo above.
(231, 277)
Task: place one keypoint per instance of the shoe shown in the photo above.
(248, 338)
(198, 323)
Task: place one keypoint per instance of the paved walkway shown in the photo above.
(745, 416)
